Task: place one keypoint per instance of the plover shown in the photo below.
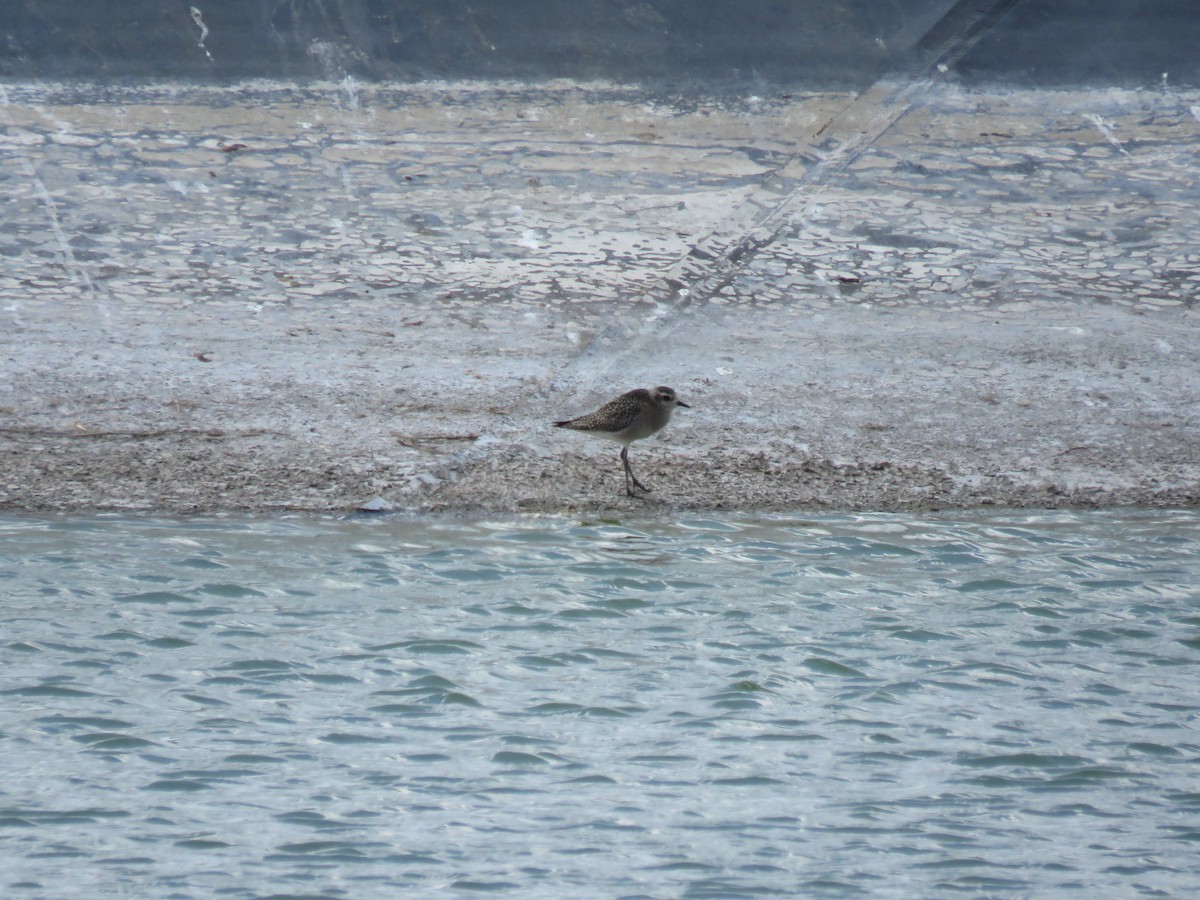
(631, 417)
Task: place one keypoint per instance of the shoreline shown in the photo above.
(917, 298)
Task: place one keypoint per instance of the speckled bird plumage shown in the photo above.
(634, 415)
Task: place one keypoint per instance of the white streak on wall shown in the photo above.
(199, 20)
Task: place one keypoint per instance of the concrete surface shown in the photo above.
(268, 296)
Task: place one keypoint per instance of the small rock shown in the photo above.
(376, 505)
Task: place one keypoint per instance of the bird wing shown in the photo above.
(612, 416)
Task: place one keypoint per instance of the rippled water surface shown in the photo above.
(1002, 705)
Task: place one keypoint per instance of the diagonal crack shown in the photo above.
(786, 194)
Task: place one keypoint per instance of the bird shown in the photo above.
(634, 415)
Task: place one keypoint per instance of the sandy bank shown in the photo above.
(920, 297)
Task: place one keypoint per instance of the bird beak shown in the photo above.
(684, 405)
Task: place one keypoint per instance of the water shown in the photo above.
(1001, 705)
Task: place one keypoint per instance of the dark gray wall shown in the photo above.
(1118, 42)
(680, 42)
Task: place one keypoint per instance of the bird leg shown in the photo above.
(629, 476)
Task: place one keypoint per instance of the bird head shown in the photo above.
(665, 396)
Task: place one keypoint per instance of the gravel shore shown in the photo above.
(270, 297)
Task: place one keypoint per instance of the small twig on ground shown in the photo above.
(138, 435)
(415, 440)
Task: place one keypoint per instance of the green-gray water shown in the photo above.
(886, 706)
